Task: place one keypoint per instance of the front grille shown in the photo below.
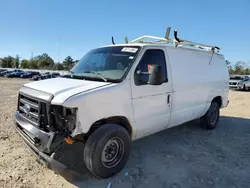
(33, 110)
(233, 83)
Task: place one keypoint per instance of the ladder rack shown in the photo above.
(140, 39)
(177, 42)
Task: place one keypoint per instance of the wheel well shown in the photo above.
(119, 120)
(218, 99)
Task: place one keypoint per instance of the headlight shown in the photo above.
(70, 118)
(64, 119)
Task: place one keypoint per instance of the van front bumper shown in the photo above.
(40, 142)
(44, 149)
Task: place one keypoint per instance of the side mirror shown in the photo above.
(155, 76)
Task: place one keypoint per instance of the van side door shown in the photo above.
(152, 103)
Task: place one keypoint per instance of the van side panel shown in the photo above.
(108, 101)
(197, 78)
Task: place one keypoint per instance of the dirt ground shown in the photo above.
(184, 156)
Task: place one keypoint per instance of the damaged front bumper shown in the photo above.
(43, 150)
(40, 142)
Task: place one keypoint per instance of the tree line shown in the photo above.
(240, 68)
(43, 61)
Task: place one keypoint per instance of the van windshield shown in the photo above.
(107, 63)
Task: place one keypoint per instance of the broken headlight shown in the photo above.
(64, 119)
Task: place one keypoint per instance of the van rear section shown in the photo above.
(197, 78)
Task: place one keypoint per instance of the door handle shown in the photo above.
(168, 100)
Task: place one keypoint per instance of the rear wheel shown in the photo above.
(211, 118)
(107, 150)
(244, 87)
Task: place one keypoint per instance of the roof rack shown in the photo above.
(177, 42)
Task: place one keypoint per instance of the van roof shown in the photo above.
(148, 40)
(169, 45)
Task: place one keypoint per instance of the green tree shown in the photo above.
(16, 61)
(239, 67)
(44, 61)
(33, 64)
(230, 70)
(247, 71)
(7, 62)
(238, 70)
(68, 63)
(76, 61)
(25, 64)
(58, 66)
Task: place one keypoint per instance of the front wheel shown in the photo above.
(107, 150)
(211, 118)
(244, 87)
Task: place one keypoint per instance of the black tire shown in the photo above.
(244, 87)
(211, 118)
(113, 138)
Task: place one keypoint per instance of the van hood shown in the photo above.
(56, 86)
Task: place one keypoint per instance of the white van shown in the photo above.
(120, 93)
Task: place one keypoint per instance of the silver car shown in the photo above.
(239, 82)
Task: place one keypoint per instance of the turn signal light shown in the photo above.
(68, 140)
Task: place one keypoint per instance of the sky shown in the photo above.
(73, 27)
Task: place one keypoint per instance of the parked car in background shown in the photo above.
(46, 75)
(40, 76)
(55, 74)
(51, 75)
(66, 76)
(30, 74)
(15, 74)
(3, 73)
(239, 82)
(1, 70)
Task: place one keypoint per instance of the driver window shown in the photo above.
(150, 57)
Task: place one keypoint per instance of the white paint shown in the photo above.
(63, 88)
(194, 79)
(151, 111)
(107, 101)
(195, 83)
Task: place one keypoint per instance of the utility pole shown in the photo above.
(58, 50)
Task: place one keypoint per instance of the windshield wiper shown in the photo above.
(98, 74)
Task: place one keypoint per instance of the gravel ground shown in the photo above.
(183, 156)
